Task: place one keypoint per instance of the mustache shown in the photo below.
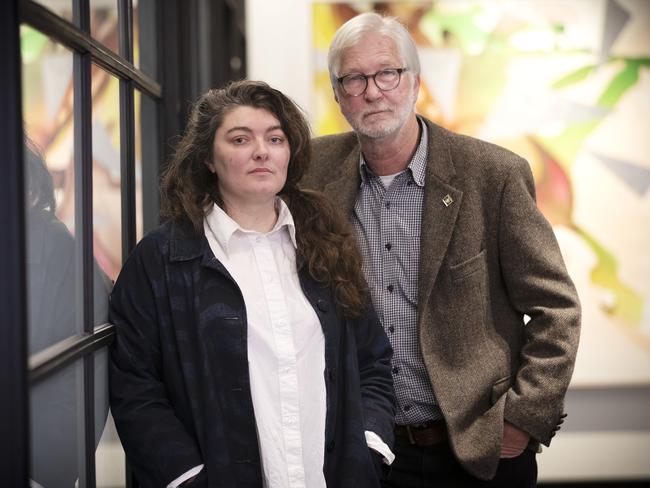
(377, 108)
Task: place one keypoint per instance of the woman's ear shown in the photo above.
(210, 166)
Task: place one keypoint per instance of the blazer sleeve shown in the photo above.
(539, 286)
(374, 354)
(156, 443)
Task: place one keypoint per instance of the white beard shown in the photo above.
(388, 126)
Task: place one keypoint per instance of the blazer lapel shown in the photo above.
(439, 210)
(343, 190)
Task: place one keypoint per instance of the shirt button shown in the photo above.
(388, 246)
(387, 204)
(391, 329)
(395, 370)
(390, 288)
(407, 408)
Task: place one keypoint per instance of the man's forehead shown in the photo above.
(371, 49)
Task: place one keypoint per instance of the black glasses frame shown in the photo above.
(374, 79)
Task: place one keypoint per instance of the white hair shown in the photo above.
(354, 29)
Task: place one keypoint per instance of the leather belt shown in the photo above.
(425, 434)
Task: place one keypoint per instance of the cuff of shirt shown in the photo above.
(376, 444)
(185, 476)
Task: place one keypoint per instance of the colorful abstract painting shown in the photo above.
(567, 86)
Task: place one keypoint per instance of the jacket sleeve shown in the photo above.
(156, 443)
(374, 354)
(538, 285)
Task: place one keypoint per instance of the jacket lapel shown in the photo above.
(439, 210)
(343, 190)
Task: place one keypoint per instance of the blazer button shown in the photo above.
(322, 305)
(332, 374)
(330, 446)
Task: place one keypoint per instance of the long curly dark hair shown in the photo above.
(324, 237)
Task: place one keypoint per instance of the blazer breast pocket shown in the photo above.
(468, 267)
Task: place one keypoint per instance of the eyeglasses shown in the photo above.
(355, 84)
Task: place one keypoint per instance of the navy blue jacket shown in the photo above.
(179, 381)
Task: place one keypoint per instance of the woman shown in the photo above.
(246, 354)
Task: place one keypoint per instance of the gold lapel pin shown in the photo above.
(447, 200)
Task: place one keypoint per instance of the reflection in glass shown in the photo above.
(109, 456)
(144, 36)
(62, 8)
(107, 207)
(52, 257)
(48, 96)
(147, 156)
(137, 102)
(103, 23)
(57, 429)
(53, 299)
(57, 401)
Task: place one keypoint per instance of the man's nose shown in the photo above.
(372, 90)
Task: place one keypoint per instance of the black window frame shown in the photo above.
(86, 51)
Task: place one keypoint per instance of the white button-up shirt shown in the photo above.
(286, 347)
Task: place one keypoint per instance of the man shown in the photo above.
(456, 255)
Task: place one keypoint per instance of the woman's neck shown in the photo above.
(260, 217)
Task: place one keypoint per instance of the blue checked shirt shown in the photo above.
(387, 225)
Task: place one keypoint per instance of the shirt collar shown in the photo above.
(223, 228)
(418, 162)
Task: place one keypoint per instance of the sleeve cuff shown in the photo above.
(376, 444)
(185, 476)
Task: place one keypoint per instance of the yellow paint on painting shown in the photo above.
(324, 26)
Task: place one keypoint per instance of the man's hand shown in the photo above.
(514, 440)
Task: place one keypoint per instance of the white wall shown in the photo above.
(278, 36)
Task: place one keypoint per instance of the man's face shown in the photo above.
(375, 113)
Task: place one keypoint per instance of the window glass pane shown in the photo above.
(109, 455)
(57, 429)
(144, 36)
(63, 8)
(137, 102)
(52, 253)
(147, 156)
(107, 219)
(103, 23)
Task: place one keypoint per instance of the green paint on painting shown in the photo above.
(620, 84)
(577, 76)
(628, 304)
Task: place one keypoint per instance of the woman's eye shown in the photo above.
(239, 140)
(277, 140)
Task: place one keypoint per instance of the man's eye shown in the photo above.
(354, 78)
(387, 73)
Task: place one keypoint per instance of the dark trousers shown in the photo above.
(436, 466)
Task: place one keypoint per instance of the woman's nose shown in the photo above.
(261, 151)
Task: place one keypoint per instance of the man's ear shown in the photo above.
(416, 83)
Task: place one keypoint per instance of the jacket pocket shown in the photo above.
(468, 267)
(499, 388)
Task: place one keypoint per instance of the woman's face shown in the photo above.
(250, 156)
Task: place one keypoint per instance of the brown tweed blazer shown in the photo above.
(487, 257)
